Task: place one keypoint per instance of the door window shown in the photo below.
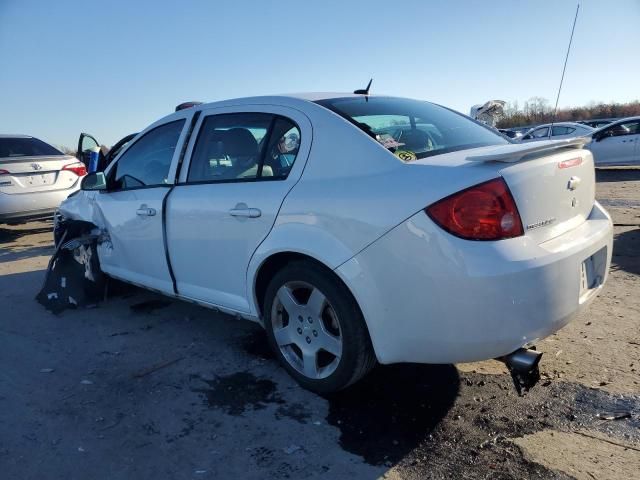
(541, 132)
(283, 148)
(242, 147)
(147, 162)
(562, 131)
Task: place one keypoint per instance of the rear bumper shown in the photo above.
(430, 297)
(31, 206)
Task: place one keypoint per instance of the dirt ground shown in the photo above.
(147, 387)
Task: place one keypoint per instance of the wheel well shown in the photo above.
(74, 228)
(271, 266)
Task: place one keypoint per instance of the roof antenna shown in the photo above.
(555, 110)
(364, 91)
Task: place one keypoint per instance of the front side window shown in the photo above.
(244, 146)
(413, 129)
(627, 128)
(541, 132)
(147, 162)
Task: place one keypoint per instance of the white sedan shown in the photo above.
(34, 178)
(353, 228)
(617, 143)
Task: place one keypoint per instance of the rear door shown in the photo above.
(132, 206)
(242, 163)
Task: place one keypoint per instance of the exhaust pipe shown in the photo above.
(523, 366)
(523, 360)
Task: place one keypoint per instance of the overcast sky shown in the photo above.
(111, 68)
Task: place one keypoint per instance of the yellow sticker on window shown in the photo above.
(406, 155)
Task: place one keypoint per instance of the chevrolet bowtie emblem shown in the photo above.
(574, 182)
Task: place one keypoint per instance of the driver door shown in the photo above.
(86, 142)
(132, 207)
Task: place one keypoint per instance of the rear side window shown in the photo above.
(147, 162)
(412, 129)
(562, 131)
(16, 147)
(243, 147)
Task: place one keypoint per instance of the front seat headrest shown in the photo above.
(239, 142)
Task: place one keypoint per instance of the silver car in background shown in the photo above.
(556, 131)
(34, 178)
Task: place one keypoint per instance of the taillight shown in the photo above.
(78, 168)
(483, 212)
(4, 172)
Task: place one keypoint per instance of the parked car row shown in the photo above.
(616, 143)
(354, 228)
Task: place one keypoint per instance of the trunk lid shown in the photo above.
(36, 174)
(552, 182)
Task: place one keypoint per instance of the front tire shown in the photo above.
(316, 328)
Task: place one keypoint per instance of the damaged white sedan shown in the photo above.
(354, 228)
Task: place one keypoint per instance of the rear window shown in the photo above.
(25, 147)
(412, 129)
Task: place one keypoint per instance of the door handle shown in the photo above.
(245, 212)
(145, 211)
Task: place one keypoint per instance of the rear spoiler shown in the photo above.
(518, 151)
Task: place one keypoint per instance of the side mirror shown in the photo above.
(94, 181)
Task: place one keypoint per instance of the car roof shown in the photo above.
(286, 99)
(11, 135)
(564, 124)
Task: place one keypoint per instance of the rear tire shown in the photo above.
(316, 328)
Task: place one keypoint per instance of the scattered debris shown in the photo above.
(86, 382)
(614, 415)
(47, 370)
(291, 449)
(154, 368)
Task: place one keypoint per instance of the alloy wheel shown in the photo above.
(306, 329)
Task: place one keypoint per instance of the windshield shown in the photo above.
(412, 129)
(14, 147)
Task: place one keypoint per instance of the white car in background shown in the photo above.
(556, 131)
(34, 178)
(354, 228)
(617, 143)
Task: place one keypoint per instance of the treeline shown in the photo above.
(538, 110)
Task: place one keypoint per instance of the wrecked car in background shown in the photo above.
(34, 178)
(354, 228)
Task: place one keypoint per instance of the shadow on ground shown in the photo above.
(390, 412)
(7, 255)
(393, 410)
(626, 251)
(617, 174)
(12, 234)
